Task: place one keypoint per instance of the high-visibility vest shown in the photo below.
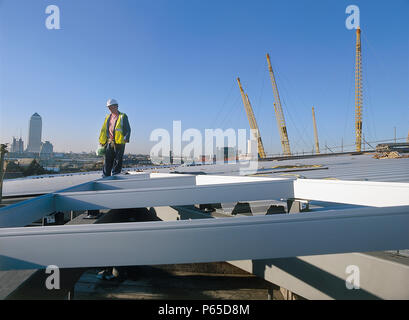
(118, 132)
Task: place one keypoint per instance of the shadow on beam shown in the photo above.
(321, 280)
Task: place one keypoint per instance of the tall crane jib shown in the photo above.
(252, 121)
(317, 145)
(278, 109)
(358, 92)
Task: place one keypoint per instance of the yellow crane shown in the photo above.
(317, 146)
(252, 120)
(358, 92)
(285, 144)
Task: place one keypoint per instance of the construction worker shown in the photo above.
(115, 133)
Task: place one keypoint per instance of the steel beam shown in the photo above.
(257, 189)
(375, 194)
(321, 277)
(184, 180)
(149, 190)
(206, 240)
(44, 185)
(24, 213)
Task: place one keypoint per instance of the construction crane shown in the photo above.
(317, 146)
(285, 144)
(358, 92)
(252, 121)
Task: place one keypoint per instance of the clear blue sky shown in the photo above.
(178, 60)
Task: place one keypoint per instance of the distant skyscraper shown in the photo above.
(20, 146)
(17, 146)
(14, 146)
(34, 133)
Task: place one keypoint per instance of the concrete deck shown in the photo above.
(190, 282)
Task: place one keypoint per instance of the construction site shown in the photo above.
(292, 230)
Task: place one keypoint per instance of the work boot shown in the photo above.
(109, 274)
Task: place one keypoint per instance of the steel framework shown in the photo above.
(382, 225)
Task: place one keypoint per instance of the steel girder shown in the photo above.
(206, 240)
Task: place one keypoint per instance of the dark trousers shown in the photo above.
(113, 159)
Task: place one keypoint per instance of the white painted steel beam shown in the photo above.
(375, 194)
(323, 276)
(24, 213)
(206, 240)
(144, 190)
(184, 180)
(261, 189)
(43, 185)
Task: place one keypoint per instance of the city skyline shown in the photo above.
(165, 63)
(34, 144)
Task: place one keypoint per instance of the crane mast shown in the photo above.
(358, 92)
(317, 146)
(252, 121)
(285, 144)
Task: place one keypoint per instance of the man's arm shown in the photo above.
(127, 129)
(102, 130)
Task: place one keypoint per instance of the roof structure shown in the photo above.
(375, 216)
(343, 167)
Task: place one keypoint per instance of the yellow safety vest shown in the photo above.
(118, 132)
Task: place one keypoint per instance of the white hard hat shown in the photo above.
(112, 102)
